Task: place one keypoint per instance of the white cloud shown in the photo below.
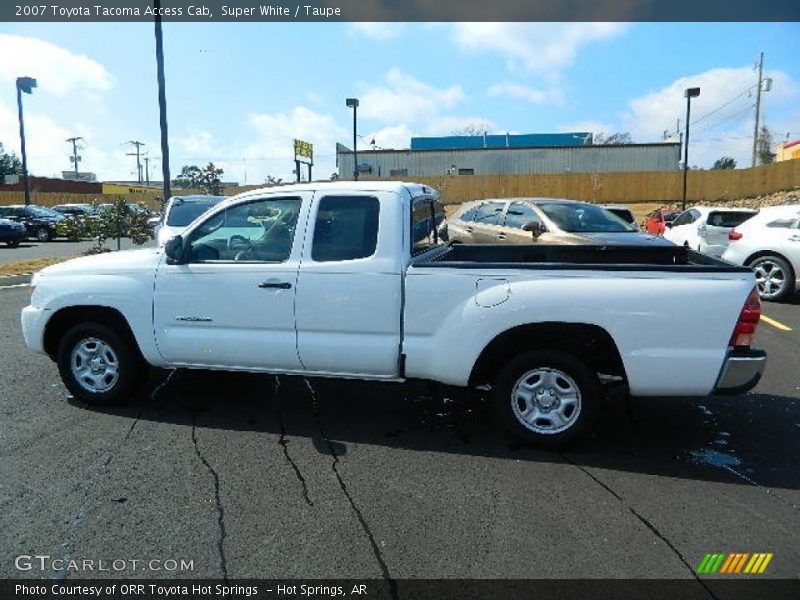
(533, 46)
(527, 93)
(58, 71)
(378, 31)
(272, 150)
(447, 125)
(402, 98)
(394, 136)
(197, 143)
(722, 116)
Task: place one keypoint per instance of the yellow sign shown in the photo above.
(304, 149)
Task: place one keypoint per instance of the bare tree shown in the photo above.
(618, 138)
(474, 129)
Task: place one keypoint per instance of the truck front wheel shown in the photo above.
(98, 365)
(547, 397)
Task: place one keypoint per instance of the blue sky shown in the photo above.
(238, 93)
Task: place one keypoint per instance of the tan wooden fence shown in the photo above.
(625, 188)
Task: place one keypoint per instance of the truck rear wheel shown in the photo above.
(547, 397)
(97, 364)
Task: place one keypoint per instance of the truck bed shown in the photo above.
(552, 257)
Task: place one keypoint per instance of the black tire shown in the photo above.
(43, 234)
(12, 243)
(776, 267)
(129, 365)
(576, 422)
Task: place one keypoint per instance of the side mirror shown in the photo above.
(668, 224)
(174, 250)
(537, 228)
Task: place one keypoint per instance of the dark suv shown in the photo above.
(40, 222)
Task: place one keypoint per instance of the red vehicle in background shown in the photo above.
(656, 221)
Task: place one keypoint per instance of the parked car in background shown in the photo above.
(542, 221)
(39, 221)
(76, 210)
(769, 243)
(11, 232)
(623, 212)
(656, 221)
(705, 228)
(182, 210)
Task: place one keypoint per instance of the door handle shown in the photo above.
(470, 230)
(501, 236)
(282, 285)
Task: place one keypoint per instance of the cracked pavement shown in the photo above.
(286, 477)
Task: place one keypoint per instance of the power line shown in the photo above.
(137, 154)
(743, 93)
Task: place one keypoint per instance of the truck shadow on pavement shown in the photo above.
(750, 440)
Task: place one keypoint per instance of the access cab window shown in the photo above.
(259, 231)
(428, 226)
(346, 228)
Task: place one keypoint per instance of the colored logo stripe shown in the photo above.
(734, 563)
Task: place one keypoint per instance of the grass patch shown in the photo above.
(30, 266)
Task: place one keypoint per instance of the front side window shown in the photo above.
(260, 231)
(346, 228)
(519, 215)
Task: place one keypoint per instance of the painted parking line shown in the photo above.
(16, 285)
(776, 324)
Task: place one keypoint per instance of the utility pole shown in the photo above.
(758, 105)
(162, 102)
(137, 154)
(147, 170)
(75, 159)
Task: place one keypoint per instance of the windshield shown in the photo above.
(182, 212)
(41, 211)
(584, 218)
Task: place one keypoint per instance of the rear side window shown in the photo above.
(427, 224)
(728, 219)
(346, 228)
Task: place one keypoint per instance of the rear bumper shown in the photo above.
(741, 371)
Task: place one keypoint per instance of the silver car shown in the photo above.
(543, 221)
(180, 211)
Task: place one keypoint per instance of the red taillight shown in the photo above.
(745, 328)
(734, 235)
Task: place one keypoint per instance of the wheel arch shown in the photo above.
(590, 343)
(69, 316)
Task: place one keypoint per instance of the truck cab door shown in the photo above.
(349, 299)
(231, 304)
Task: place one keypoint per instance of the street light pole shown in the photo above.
(689, 93)
(353, 103)
(24, 84)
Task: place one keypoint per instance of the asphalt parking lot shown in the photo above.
(31, 249)
(258, 476)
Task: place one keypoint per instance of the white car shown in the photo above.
(770, 244)
(180, 211)
(356, 280)
(706, 228)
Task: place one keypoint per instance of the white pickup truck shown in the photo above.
(356, 280)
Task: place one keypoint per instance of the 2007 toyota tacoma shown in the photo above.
(357, 280)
